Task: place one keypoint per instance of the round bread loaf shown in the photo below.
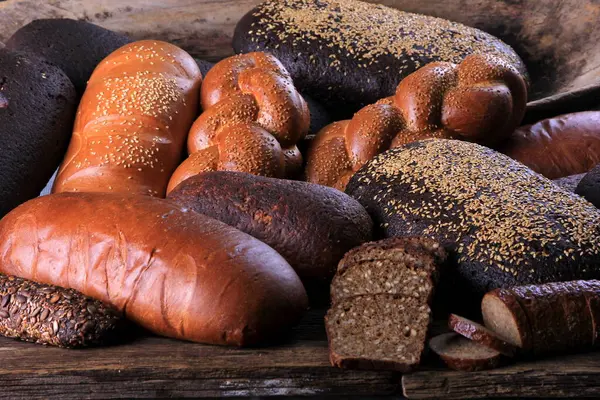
(37, 109)
(349, 53)
(589, 186)
(505, 224)
(311, 226)
(75, 46)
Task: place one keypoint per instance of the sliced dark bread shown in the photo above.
(380, 331)
(406, 266)
(463, 354)
(480, 334)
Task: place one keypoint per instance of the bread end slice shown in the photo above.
(503, 315)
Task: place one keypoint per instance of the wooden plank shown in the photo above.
(159, 367)
(559, 377)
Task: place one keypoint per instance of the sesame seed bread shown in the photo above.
(462, 354)
(589, 186)
(505, 224)
(480, 334)
(253, 118)
(37, 109)
(132, 121)
(311, 226)
(350, 53)
(77, 47)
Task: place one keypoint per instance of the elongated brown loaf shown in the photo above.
(171, 270)
(132, 121)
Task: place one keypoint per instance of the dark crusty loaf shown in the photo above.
(506, 224)
(382, 331)
(559, 316)
(480, 334)
(75, 46)
(569, 183)
(171, 270)
(52, 315)
(37, 109)
(589, 186)
(405, 266)
(311, 226)
(349, 53)
(463, 354)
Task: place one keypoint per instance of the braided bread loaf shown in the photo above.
(132, 121)
(480, 100)
(253, 118)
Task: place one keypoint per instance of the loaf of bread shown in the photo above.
(37, 109)
(506, 224)
(173, 271)
(481, 100)
(132, 121)
(55, 316)
(381, 299)
(548, 318)
(589, 186)
(252, 120)
(557, 147)
(311, 226)
(569, 183)
(349, 53)
(76, 47)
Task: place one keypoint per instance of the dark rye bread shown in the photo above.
(311, 226)
(559, 316)
(382, 331)
(504, 224)
(463, 354)
(589, 186)
(405, 266)
(569, 183)
(37, 109)
(52, 315)
(480, 334)
(350, 53)
(75, 46)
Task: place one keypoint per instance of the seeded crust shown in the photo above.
(349, 53)
(480, 334)
(377, 332)
(53, 315)
(506, 225)
(406, 266)
(463, 354)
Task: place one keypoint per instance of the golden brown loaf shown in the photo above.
(171, 270)
(480, 100)
(253, 118)
(132, 121)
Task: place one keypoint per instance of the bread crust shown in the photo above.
(480, 334)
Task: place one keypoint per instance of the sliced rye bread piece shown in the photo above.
(480, 334)
(381, 331)
(407, 266)
(463, 354)
(503, 314)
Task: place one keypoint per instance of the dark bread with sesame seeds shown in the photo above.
(55, 316)
(169, 269)
(349, 53)
(504, 224)
(462, 354)
(556, 147)
(480, 334)
(132, 121)
(589, 186)
(77, 47)
(37, 109)
(559, 316)
(481, 100)
(311, 226)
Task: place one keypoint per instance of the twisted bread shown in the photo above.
(253, 118)
(480, 100)
(132, 121)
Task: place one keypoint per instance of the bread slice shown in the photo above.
(463, 354)
(406, 266)
(381, 331)
(480, 334)
(503, 314)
